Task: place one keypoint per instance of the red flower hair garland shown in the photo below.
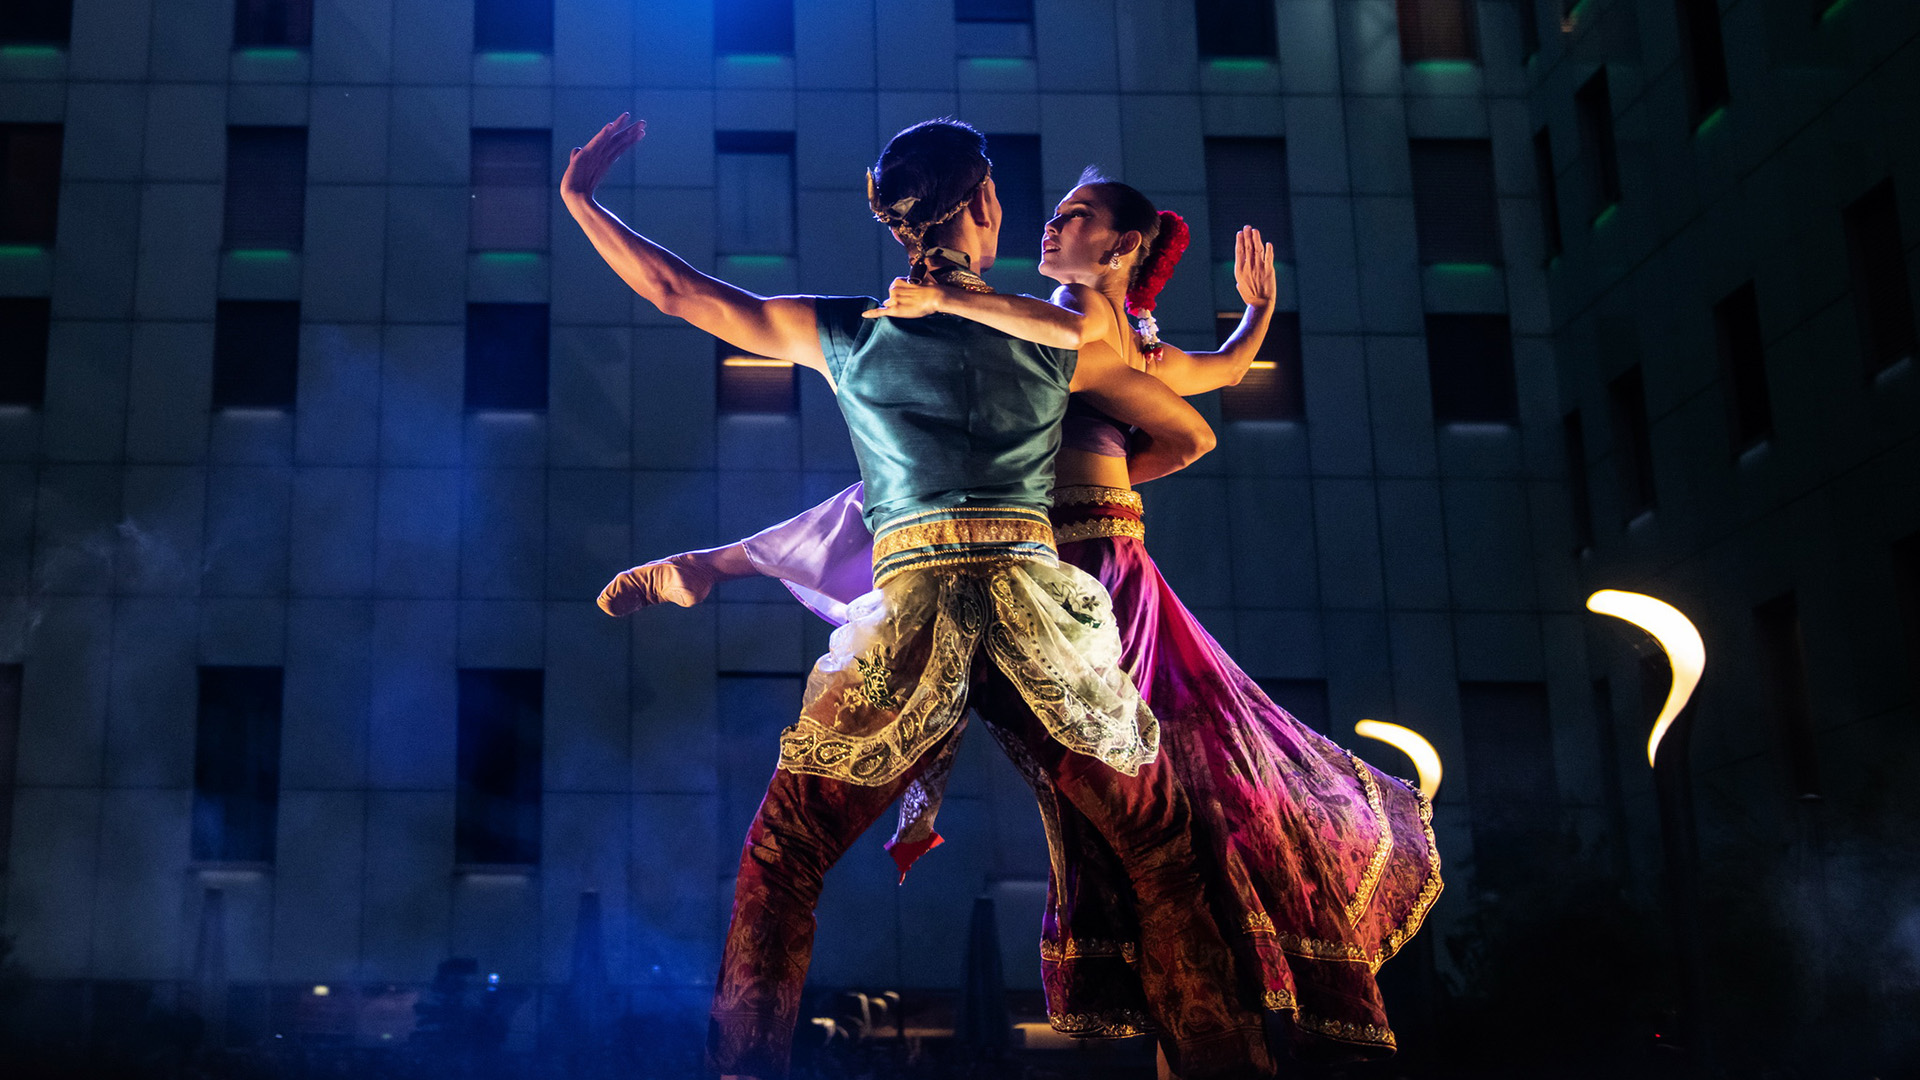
(1167, 249)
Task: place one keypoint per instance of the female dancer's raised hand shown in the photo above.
(589, 164)
(1253, 268)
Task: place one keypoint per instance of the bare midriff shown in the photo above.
(1073, 468)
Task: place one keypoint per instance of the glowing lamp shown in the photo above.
(322, 991)
(1677, 637)
(1426, 760)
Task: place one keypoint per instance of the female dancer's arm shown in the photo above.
(1024, 317)
(1190, 373)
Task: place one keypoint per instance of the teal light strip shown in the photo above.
(1463, 268)
(1240, 63)
(21, 251)
(754, 58)
(758, 260)
(1606, 215)
(1000, 61)
(510, 258)
(512, 57)
(279, 54)
(38, 52)
(1710, 121)
(261, 254)
(1445, 67)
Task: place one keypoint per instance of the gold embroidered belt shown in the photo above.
(960, 534)
(1085, 512)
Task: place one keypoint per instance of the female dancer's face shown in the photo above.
(1079, 239)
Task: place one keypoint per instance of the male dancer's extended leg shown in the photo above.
(1185, 966)
(803, 826)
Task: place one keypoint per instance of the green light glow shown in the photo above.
(1445, 67)
(1463, 268)
(758, 260)
(756, 59)
(510, 258)
(22, 52)
(1835, 9)
(21, 251)
(1710, 121)
(999, 61)
(513, 57)
(261, 254)
(1240, 63)
(272, 54)
(1606, 215)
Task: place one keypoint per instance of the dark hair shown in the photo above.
(936, 162)
(1132, 212)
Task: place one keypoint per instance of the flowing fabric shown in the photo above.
(1319, 867)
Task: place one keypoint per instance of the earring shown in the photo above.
(1114, 262)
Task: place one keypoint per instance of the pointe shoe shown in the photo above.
(676, 580)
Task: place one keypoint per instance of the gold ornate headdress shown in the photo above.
(897, 216)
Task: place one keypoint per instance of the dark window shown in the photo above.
(513, 26)
(1703, 56)
(1594, 104)
(1529, 29)
(1783, 665)
(30, 172)
(993, 28)
(256, 354)
(1580, 496)
(507, 357)
(1470, 369)
(753, 27)
(1632, 442)
(1024, 208)
(1247, 185)
(753, 174)
(1510, 776)
(10, 677)
(1906, 583)
(1229, 28)
(1271, 389)
(509, 207)
(1743, 364)
(266, 188)
(753, 384)
(1454, 211)
(1881, 293)
(497, 793)
(36, 22)
(24, 325)
(272, 22)
(1549, 189)
(236, 764)
(1437, 30)
(1612, 790)
(1305, 699)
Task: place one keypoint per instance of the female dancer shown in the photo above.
(1321, 867)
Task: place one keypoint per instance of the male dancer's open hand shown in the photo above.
(589, 164)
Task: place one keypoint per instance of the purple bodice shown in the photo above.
(1088, 429)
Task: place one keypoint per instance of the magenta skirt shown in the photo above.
(1320, 866)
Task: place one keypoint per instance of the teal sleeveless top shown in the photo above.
(944, 412)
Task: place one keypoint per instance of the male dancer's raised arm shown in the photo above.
(782, 327)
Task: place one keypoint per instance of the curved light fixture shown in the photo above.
(1426, 760)
(1678, 638)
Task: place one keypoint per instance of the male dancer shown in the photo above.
(955, 423)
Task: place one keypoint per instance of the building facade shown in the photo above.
(324, 426)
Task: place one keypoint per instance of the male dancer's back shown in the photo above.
(955, 424)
